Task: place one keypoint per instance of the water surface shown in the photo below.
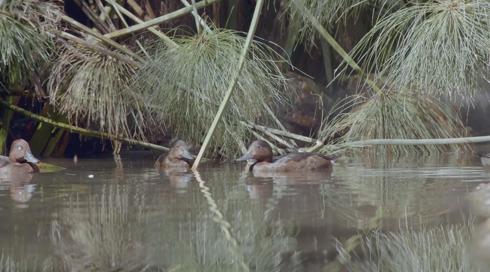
(102, 215)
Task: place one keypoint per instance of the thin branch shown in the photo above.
(159, 20)
(291, 135)
(92, 16)
(101, 37)
(161, 35)
(439, 141)
(98, 48)
(105, 16)
(199, 19)
(125, 23)
(273, 136)
(278, 122)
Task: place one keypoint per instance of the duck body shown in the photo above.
(178, 158)
(19, 162)
(260, 160)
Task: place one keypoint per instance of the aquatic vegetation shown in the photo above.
(432, 249)
(25, 45)
(431, 47)
(184, 86)
(395, 115)
(91, 88)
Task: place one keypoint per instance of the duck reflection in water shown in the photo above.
(175, 165)
(260, 162)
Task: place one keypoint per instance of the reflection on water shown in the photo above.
(101, 215)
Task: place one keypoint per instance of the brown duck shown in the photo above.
(178, 158)
(20, 161)
(260, 158)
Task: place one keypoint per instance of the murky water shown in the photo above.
(98, 215)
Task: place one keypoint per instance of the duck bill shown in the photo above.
(30, 158)
(245, 157)
(188, 157)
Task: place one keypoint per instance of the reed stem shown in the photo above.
(234, 79)
(82, 131)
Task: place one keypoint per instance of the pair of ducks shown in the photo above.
(258, 156)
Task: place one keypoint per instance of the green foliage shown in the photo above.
(185, 85)
(435, 47)
(395, 115)
(92, 88)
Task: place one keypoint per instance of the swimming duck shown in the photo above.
(178, 158)
(19, 161)
(260, 159)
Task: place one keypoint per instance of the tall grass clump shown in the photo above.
(435, 249)
(185, 85)
(91, 88)
(24, 45)
(395, 115)
(435, 47)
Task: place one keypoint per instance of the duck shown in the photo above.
(260, 160)
(19, 162)
(177, 159)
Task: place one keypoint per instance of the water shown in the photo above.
(99, 215)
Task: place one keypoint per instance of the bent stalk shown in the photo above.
(241, 61)
(82, 131)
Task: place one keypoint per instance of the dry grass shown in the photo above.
(25, 46)
(91, 88)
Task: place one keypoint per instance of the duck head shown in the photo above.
(20, 152)
(180, 151)
(258, 151)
